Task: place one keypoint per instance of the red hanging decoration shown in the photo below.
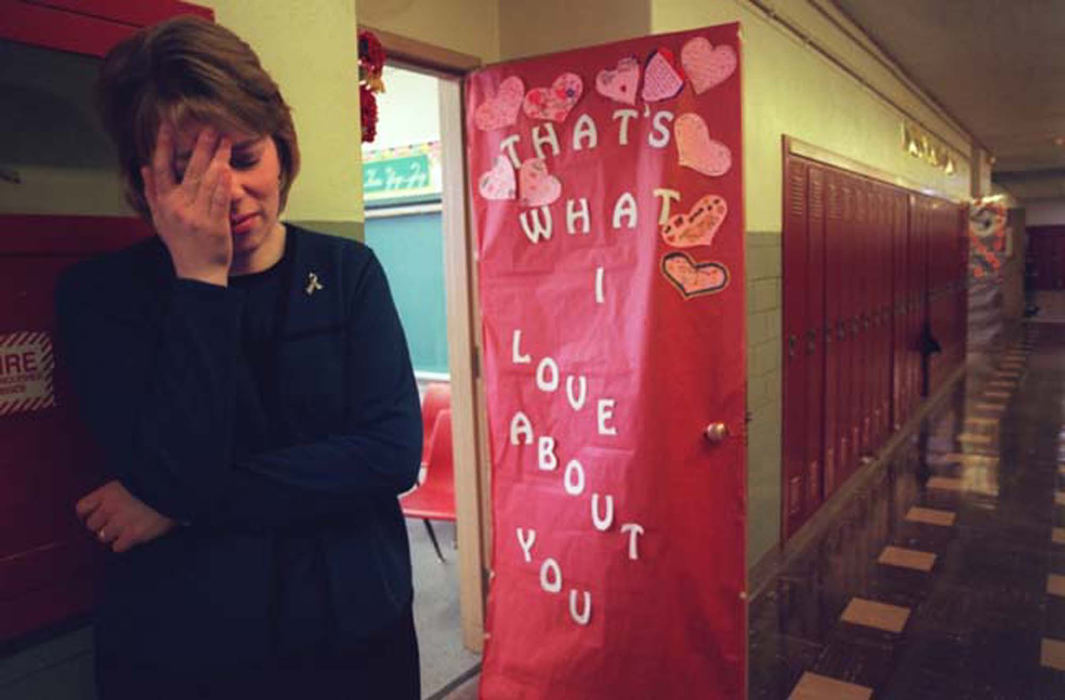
(371, 65)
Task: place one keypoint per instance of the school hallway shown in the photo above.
(943, 574)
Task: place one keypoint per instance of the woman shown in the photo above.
(252, 390)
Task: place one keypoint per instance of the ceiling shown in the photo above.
(997, 66)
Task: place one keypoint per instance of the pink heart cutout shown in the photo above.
(695, 148)
(538, 187)
(499, 182)
(501, 110)
(554, 103)
(693, 279)
(705, 65)
(699, 225)
(620, 83)
(661, 79)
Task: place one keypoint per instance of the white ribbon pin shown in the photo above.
(313, 285)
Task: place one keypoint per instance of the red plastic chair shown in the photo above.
(437, 397)
(434, 499)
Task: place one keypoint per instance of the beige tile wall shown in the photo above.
(764, 381)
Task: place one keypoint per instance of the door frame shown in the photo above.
(469, 421)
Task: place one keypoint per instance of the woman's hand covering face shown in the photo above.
(190, 210)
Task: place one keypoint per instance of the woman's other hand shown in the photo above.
(192, 215)
(119, 519)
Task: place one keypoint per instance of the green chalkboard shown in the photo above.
(396, 176)
(411, 249)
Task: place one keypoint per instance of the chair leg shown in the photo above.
(432, 536)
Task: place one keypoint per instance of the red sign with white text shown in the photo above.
(607, 194)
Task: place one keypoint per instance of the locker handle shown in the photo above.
(811, 341)
(828, 336)
(792, 342)
(841, 330)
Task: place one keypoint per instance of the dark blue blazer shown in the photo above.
(163, 385)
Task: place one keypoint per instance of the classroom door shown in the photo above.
(606, 189)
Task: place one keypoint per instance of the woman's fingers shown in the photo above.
(124, 542)
(219, 206)
(97, 520)
(202, 156)
(87, 505)
(163, 158)
(208, 194)
(107, 534)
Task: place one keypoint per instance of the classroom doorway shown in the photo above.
(414, 203)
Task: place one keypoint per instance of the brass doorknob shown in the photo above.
(716, 432)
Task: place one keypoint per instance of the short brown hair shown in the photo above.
(181, 68)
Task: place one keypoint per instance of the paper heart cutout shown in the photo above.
(555, 102)
(501, 110)
(538, 187)
(705, 65)
(620, 83)
(661, 78)
(695, 148)
(699, 225)
(499, 182)
(694, 279)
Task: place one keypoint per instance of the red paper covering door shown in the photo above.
(607, 196)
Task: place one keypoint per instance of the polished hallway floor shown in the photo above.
(944, 576)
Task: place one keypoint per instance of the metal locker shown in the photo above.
(795, 358)
(845, 412)
(815, 320)
(833, 334)
(859, 291)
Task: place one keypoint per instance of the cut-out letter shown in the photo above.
(576, 400)
(508, 147)
(605, 413)
(634, 531)
(581, 618)
(602, 522)
(550, 576)
(625, 208)
(599, 298)
(575, 214)
(526, 539)
(537, 228)
(546, 454)
(659, 136)
(516, 355)
(521, 430)
(625, 115)
(547, 375)
(665, 196)
(574, 479)
(584, 130)
(550, 138)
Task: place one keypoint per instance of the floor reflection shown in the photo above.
(973, 496)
